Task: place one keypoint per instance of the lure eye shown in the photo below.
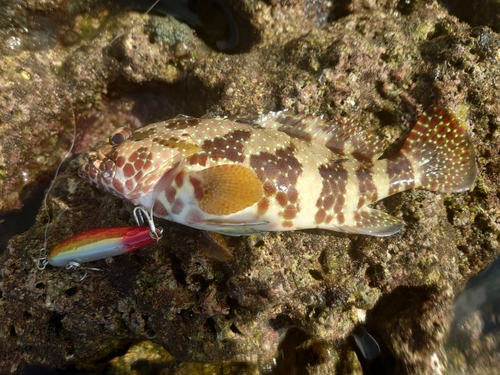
(119, 136)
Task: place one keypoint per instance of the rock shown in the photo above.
(298, 294)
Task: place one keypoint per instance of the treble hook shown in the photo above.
(142, 216)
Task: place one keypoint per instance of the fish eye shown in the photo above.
(119, 136)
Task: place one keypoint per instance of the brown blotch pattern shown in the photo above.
(159, 209)
(332, 198)
(140, 135)
(117, 185)
(229, 147)
(180, 123)
(170, 194)
(138, 164)
(279, 173)
(175, 143)
(177, 207)
(194, 216)
(320, 215)
(290, 212)
(294, 127)
(199, 158)
(293, 194)
(120, 161)
(179, 179)
(128, 170)
(400, 173)
(129, 184)
(282, 198)
(269, 189)
(262, 206)
(138, 176)
(340, 218)
(133, 157)
(367, 189)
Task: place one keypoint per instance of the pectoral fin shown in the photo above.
(226, 189)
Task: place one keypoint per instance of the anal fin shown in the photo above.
(369, 221)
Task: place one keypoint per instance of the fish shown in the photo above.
(279, 171)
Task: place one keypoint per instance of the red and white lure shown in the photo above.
(100, 243)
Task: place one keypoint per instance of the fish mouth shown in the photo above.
(97, 163)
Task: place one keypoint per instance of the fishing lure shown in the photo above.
(279, 171)
(99, 243)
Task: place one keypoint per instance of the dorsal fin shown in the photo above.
(343, 136)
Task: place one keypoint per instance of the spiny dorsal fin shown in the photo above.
(343, 136)
(439, 148)
(226, 189)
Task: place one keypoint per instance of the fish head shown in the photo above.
(131, 163)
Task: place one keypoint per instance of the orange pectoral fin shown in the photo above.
(226, 189)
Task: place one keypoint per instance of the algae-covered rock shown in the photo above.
(285, 301)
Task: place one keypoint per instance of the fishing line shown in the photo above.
(42, 259)
(156, 233)
(130, 29)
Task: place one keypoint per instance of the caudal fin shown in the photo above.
(440, 152)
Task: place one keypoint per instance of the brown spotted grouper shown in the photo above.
(279, 171)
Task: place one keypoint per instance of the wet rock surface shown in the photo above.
(285, 300)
